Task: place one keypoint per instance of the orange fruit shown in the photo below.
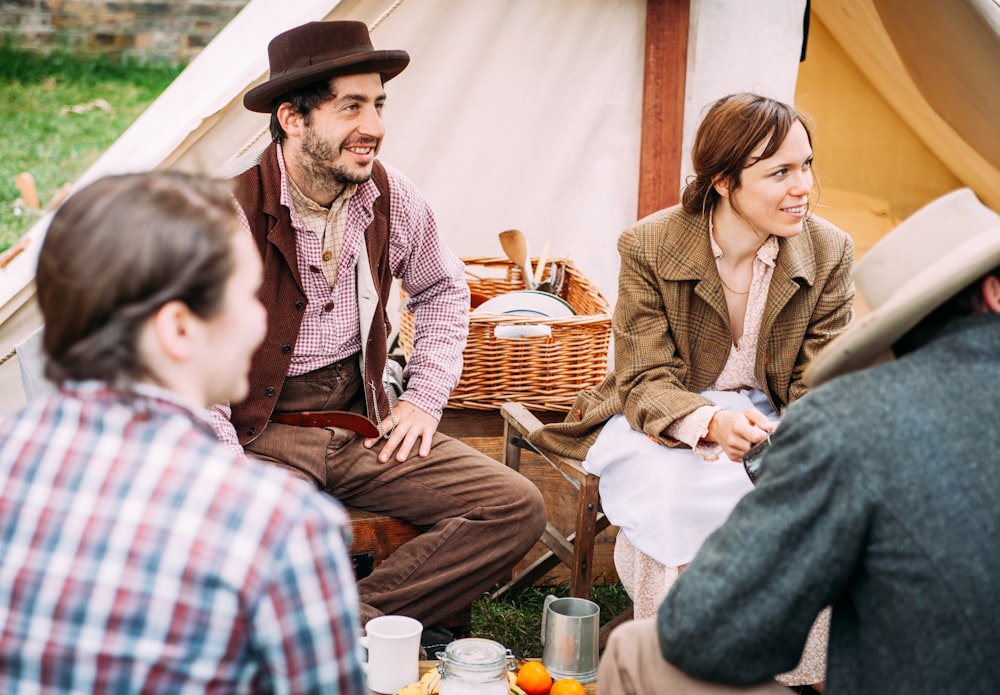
(533, 678)
(567, 686)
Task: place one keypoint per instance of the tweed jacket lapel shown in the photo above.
(689, 257)
(796, 261)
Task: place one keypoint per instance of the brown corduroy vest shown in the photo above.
(258, 192)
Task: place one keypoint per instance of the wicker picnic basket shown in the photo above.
(542, 373)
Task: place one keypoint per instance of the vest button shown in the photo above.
(328, 307)
(300, 305)
(327, 255)
(252, 431)
(269, 391)
(286, 349)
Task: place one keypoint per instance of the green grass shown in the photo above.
(42, 133)
(515, 621)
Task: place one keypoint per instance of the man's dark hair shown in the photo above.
(963, 303)
(302, 101)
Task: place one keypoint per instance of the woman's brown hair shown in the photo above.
(117, 251)
(733, 128)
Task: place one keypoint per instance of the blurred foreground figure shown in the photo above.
(137, 552)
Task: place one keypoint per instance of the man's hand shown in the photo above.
(737, 431)
(412, 424)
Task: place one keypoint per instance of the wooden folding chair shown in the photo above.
(575, 550)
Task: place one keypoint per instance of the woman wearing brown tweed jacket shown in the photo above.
(723, 301)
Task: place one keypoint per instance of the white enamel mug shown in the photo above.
(393, 646)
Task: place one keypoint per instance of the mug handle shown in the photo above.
(363, 643)
(545, 611)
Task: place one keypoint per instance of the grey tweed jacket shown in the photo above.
(880, 496)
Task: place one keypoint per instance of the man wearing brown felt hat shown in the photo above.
(334, 227)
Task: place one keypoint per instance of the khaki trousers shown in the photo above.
(478, 517)
(633, 665)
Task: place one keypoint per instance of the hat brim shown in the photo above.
(386, 63)
(869, 340)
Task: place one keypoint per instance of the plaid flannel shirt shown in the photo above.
(138, 554)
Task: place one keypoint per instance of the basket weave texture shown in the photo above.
(542, 373)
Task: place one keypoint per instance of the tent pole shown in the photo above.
(663, 104)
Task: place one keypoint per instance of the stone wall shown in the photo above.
(166, 30)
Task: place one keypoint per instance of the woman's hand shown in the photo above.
(738, 430)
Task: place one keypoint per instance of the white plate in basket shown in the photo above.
(530, 302)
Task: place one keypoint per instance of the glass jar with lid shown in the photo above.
(474, 666)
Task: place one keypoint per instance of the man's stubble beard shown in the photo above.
(315, 155)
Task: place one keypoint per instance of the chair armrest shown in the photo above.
(521, 420)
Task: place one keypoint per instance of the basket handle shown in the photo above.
(520, 330)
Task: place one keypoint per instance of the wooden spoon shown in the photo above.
(515, 245)
(540, 265)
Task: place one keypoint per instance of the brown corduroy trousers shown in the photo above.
(478, 517)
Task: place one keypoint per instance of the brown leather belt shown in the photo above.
(329, 418)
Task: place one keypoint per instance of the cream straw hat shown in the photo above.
(914, 269)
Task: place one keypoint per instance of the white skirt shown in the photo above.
(667, 500)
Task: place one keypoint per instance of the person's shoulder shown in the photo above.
(261, 477)
(823, 231)
(298, 494)
(398, 181)
(404, 196)
(300, 512)
(307, 494)
(673, 217)
(833, 407)
(849, 428)
(650, 230)
(821, 244)
(273, 493)
(259, 520)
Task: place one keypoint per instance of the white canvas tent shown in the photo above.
(512, 114)
(515, 113)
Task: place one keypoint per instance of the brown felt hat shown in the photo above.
(317, 51)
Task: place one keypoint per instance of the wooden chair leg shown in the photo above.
(511, 450)
(583, 543)
(576, 549)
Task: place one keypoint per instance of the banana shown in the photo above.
(429, 684)
(411, 689)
